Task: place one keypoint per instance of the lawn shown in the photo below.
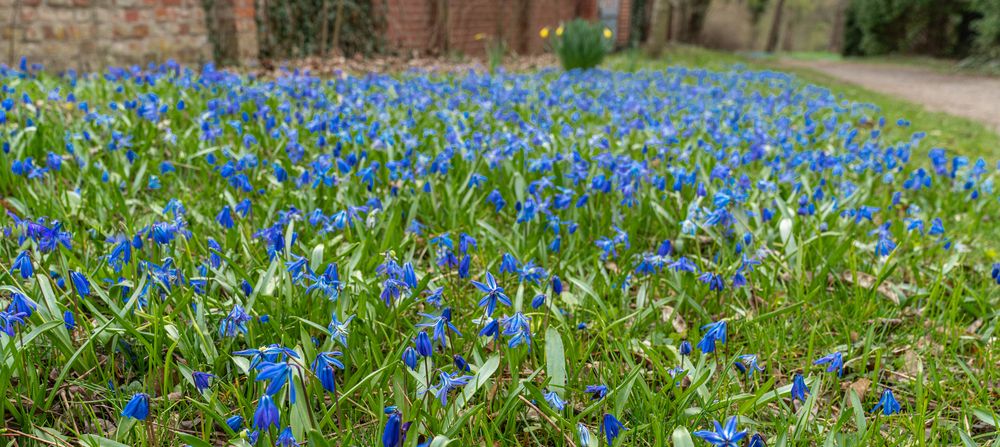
(961, 135)
(196, 257)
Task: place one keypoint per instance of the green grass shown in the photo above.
(920, 321)
(961, 135)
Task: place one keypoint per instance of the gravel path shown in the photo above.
(973, 97)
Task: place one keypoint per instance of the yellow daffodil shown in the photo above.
(479, 36)
(559, 30)
(607, 33)
(544, 33)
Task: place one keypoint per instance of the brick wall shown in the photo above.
(90, 34)
(624, 22)
(411, 25)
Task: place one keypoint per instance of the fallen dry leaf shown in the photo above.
(861, 387)
(669, 314)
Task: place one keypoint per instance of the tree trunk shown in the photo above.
(659, 27)
(324, 24)
(338, 22)
(678, 32)
(440, 38)
(695, 19)
(523, 23)
(772, 36)
(837, 30)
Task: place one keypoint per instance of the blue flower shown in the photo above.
(410, 357)
(434, 296)
(278, 374)
(683, 264)
(441, 325)
(518, 327)
(596, 391)
(467, 243)
(201, 380)
(267, 414)
(612, 428)
(423, 344)
(715, 281)
(393, 432)
(799, 388)
(557, 285)
(497, 200)
(747, 363)
(713, 332)
(69, 321)
(225, 218)
(338, 330)
(494, 294)
(22, 265)
(491, 329)
(235, 322)
(324, 368)
(463, 267)
(835, 362)
(272, 353)
(685, 347)
(887, 403)
(235, 423)
(726, 436)
(286, 438)
(137, 407)
(538, 301)
(757, 441)
(508, 264)
(461, 364)
(22, 304)
(555, 401)
(80, 283)
(244, 207)
(583, 433)
(8, 319)
(447, 383)
(328, 283)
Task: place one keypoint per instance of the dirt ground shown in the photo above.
(969, 96)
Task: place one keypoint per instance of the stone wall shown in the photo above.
(91, 34)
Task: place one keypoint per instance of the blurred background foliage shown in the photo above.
(290, 29)
(301, 28)
(967, 30)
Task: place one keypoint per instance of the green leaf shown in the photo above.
(555, 360)
(859, 411)
(987, 416)
(300, 420)
(440, 441)
(98, 441)
(193, 441)
(682, 438)
(624, 391)
(38, 330)
(317, 258)
(481, 379)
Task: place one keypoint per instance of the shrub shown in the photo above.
(579, 43)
